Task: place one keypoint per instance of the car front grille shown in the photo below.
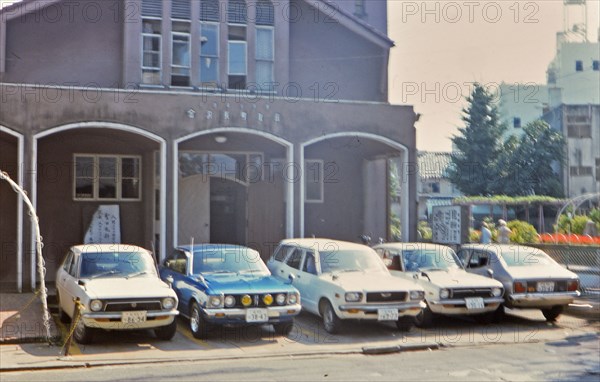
(386, 296)
(131, 305)
(471, 292)
(257, 300)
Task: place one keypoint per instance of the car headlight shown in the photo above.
(215, 301)
(280, 299)
(444, 293)
(95, 305)
(353, 296)
(293, 298)
(229, 301)
(246, 300)
(496, 292)
(417, 295)
(168, 303)
(268, 299)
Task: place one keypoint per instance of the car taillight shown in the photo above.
(520, 287)
(572, 285)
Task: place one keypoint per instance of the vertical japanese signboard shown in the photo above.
(105, 226)
(450, 224)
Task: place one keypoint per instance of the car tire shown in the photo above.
(425, 319)
(552, 314)
(83, 334)
(198, 325)
(62, 315)
(331, 321)
(405, 324)
(167, 332)
(283, 328)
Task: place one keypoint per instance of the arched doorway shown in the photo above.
(86, 167)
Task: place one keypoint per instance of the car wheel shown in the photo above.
(167, 332)
(283, 328)
(198, 324)
(405, 324)
(62, 315)
(331, 321)
(83, 334)
(425, 318)
(553, 313)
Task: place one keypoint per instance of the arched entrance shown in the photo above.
(241, 189)
(87, 167)
(11, 218)
(345, 186)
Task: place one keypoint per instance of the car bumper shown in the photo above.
(112, 320)
(238, 316)
(458, 306)
(540, 300)
(369, 311)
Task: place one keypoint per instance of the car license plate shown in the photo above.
(474, 303)
(387, 314)
(133, 317)
(257, 315)
(545, 286)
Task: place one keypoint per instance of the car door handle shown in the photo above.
(281, 271)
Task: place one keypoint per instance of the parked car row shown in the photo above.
(119, 287)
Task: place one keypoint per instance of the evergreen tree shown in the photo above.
(478, 146)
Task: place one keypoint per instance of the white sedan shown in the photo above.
(116, 287)
(449, 289)
(339, 280)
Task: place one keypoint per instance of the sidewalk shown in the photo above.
(21, 319)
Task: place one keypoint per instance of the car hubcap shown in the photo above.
(195, 320)
(328, 317)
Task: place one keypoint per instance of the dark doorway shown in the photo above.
(228, 215)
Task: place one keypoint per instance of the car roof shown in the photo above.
(100, 248)
(496, 247)
(322, 244)
(414, 245)
(213, 247)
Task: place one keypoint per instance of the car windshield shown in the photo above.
(525, 256)
(116, 264)
(352, 260)
(422, 259)
(229, 260)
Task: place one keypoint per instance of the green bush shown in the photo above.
(577, 224)
(522, 232)
(425, 231)
(474, 236)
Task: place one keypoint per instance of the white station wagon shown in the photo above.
(118, 288)
(449, 289)
(339, 280)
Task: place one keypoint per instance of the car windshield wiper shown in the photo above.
(136, 274)
(432, 269)
(250, 270)
(349, 270)
(107, 273)
(222, 271)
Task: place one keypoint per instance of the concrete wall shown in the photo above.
(75, 43)
(331, 63)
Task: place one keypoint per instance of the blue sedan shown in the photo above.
(219, 284)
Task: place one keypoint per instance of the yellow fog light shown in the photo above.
(268, 299)
(246, 300)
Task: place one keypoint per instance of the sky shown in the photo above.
(442, 47)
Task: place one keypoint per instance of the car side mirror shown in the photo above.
(490, 273)
(80, 282)
(170, 280)
(291, 278)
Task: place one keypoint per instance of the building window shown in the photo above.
(595, 65)
(209, 10)
(581, 171)
(107, 177)
(180, 9)
(359, 9)
(265, 58)
(597, 169)
(180, 54)
(432, 188)
(237, 55)
(517, 122)
(579, 131)
(239, 166)
(151, 51)
(579, 66)
(209, 53)
(265, 13)
(314, 186)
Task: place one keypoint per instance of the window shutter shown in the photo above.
(180, 9)
(209, 10)
(236, 12)
(152, 8)
(265, 14)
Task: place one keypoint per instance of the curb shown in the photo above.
(376, 350)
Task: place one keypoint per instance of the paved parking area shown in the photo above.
(307, 337)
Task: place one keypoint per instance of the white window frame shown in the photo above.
(160, 50)
(272, 60)
(189, 63)
(96, 177)
(321, 167)
(244, 181)
(217, 57)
